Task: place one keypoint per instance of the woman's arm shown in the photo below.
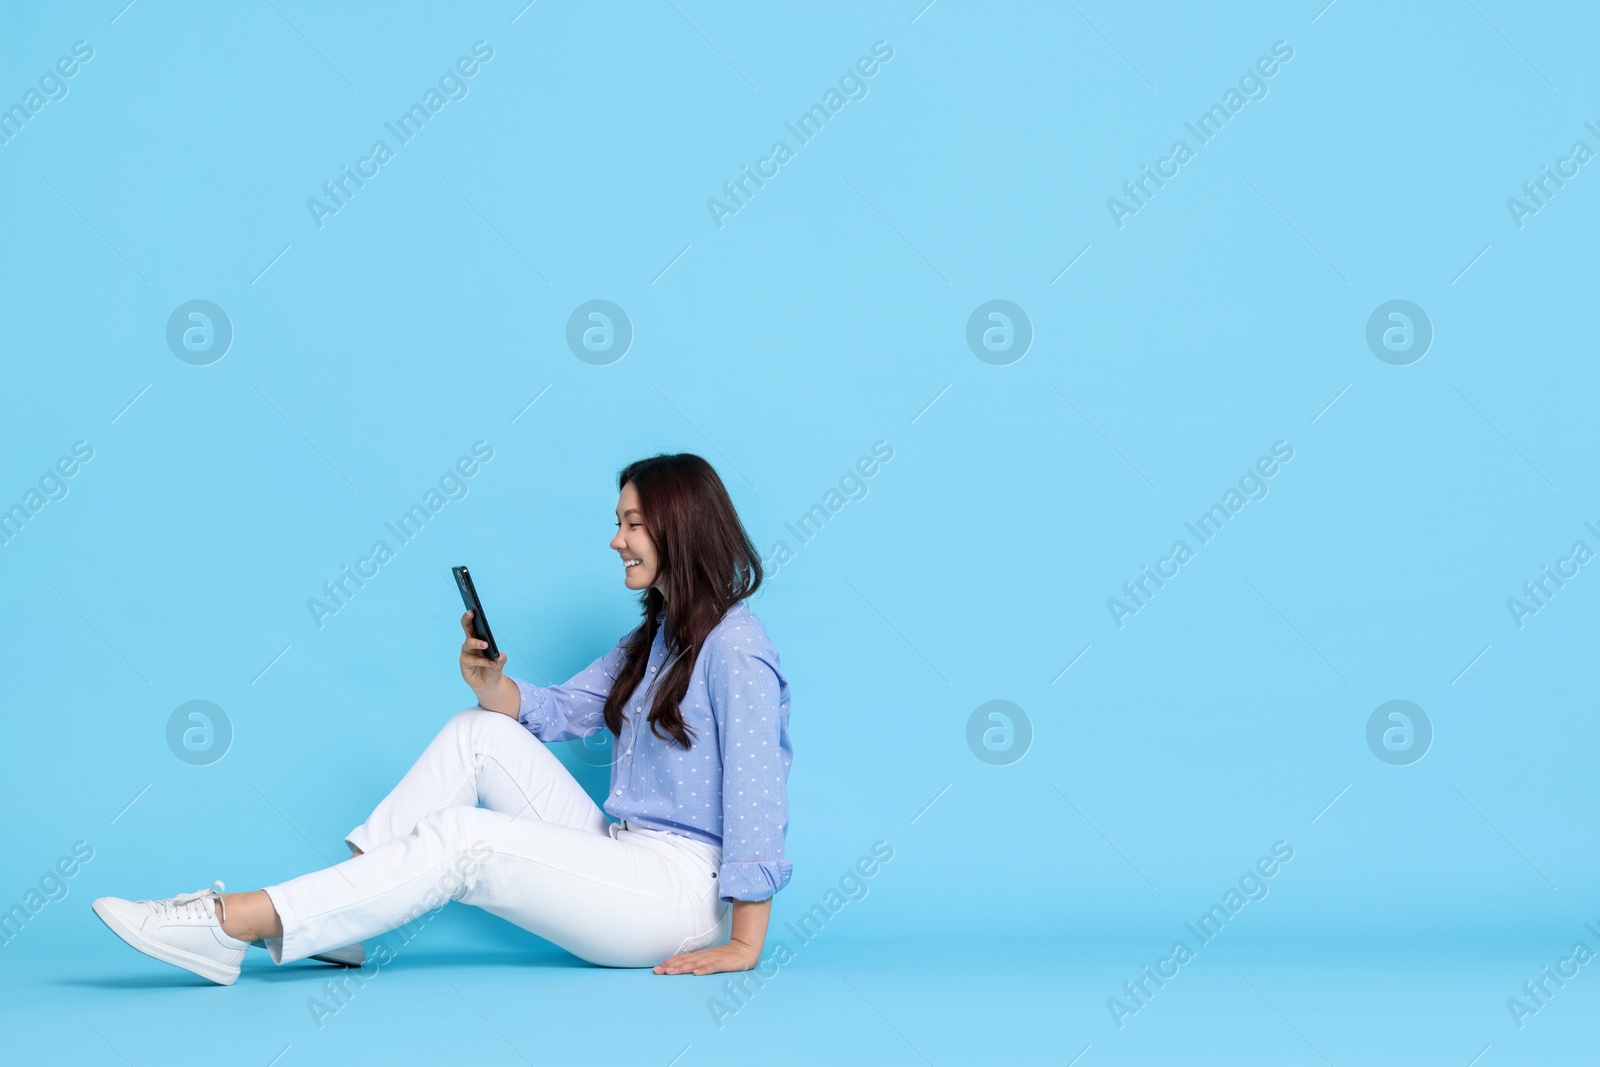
(750, 700)
(504, 698)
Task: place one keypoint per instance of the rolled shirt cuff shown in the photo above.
(531, 704)
(753, 881)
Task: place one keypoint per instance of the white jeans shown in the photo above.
(539, 853)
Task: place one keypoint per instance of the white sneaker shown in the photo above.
(349, 956)
(182, 930)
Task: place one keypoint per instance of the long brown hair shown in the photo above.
(707, 562)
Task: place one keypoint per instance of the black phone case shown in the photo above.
(480, 625)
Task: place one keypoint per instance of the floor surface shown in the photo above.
(470, 989)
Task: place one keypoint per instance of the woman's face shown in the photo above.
(633, 544)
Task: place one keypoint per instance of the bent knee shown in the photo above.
(467, 716)
(476, 721)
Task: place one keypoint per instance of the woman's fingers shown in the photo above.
(706, 961)
(685, 963)
(466, 628)
(472, 649)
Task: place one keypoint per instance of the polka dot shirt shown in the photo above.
(729, 787)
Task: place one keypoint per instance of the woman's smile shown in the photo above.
(640, 561)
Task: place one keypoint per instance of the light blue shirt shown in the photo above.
(729, 788)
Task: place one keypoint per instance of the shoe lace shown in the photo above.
(196, 905)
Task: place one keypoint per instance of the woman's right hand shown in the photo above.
(479, 671)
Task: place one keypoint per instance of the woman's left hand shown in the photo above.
(734, 956)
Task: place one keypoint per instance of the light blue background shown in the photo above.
(1228, 314)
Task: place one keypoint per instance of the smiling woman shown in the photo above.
(694, 520)
(639, 560)
(682, 881)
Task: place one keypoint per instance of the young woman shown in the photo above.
(698, 707)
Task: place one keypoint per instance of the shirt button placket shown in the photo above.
(638, 716)
(633, 784)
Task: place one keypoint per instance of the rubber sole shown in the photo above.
(207, 969)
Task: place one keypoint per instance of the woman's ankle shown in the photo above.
(248, 916)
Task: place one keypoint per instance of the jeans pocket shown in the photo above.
(707, 912)
(711, 934)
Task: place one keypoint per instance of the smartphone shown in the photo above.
(480, 625)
